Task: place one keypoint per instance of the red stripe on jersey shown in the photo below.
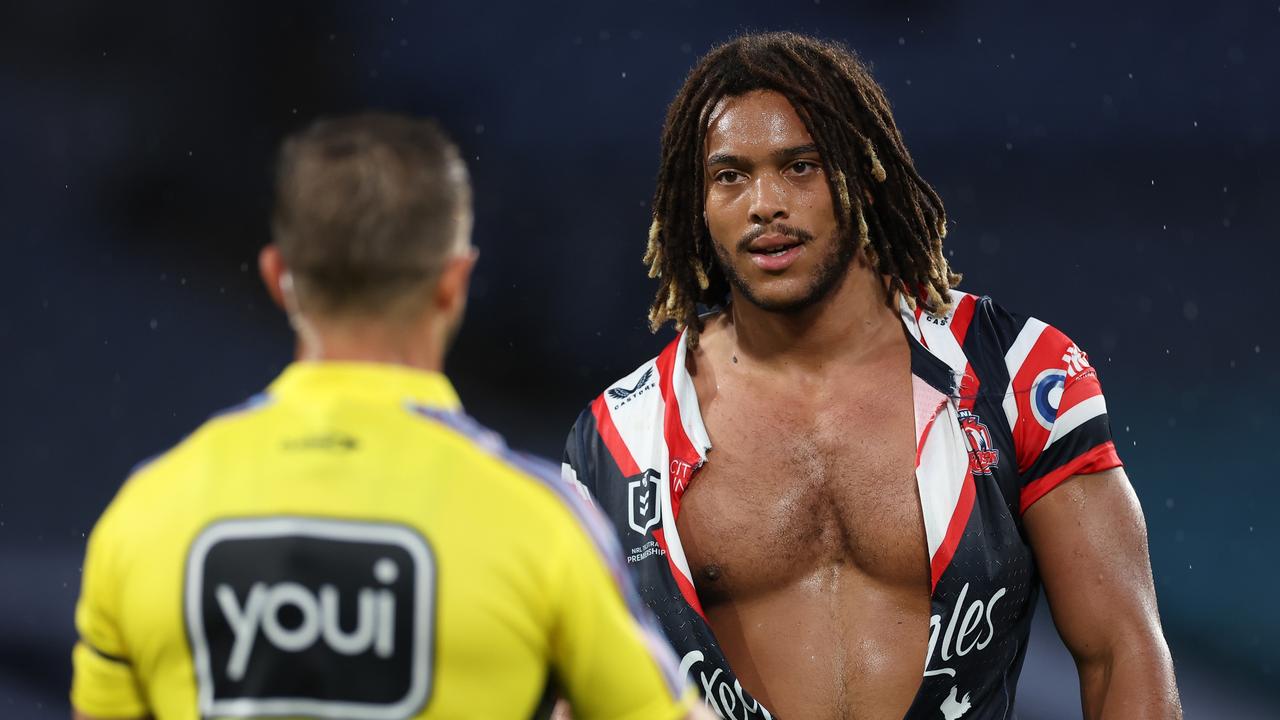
(1078, 389)
(679, 447)
(1102, 457)
(962, 316)
(964, 504)
(1029, 436)
(612, 440)
(682, 582)
(955, 530)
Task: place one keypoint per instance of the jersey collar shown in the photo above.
(925, 364)
(378, 381)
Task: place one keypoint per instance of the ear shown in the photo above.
(455, 281)
(273, 271)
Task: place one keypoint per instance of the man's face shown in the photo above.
(768, 205)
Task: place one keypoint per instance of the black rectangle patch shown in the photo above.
(310, 617)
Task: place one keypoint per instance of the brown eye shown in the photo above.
(728, 177)
(805, 167)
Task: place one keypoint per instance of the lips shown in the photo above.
(775, 252)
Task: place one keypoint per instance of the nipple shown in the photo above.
(711, 573)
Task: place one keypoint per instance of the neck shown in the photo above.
(851, 321)
(420, 346)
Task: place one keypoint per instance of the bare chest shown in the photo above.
(792, 487)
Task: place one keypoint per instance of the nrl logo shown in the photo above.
(624, 393)
(642, 501)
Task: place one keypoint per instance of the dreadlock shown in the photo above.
(847, 114)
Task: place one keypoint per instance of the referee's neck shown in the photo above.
(416, 345)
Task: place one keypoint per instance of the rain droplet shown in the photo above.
(1168, 502)
(902, 40)
(1008, 146)
(154, 324)
(979, 41)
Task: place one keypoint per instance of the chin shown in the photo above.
(792, 299)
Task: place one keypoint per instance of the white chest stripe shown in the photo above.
(944, 465)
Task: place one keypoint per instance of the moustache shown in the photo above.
(795, 233)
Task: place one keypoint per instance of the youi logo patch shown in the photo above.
(309, 617)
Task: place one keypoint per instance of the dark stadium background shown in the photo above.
(1110, 169)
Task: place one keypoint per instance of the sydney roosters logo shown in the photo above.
(983, 456)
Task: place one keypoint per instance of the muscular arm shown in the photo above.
(1090, 541)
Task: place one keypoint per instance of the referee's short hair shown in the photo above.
(368, 208)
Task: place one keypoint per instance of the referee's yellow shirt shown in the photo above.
(350, 545)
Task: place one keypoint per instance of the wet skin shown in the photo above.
(803, 531)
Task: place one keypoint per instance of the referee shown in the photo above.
(349, 544)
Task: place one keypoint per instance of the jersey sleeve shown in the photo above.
(104, 682)
(577, 467)
(1056, 411)
(609, 658)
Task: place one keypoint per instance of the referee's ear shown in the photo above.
(271, 267)
(454, 283)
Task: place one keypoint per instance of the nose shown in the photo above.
(769, 199)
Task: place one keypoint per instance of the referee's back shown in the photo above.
(350, 545)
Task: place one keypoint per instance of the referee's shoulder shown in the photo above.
(522, 477)
(181, 461)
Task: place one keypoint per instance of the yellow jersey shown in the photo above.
(350, 545)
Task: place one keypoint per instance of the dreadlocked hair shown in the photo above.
(896, 217)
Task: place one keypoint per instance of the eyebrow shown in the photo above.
(783, 154)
